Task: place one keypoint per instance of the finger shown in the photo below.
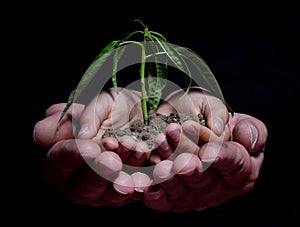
(139, 155)
(163, 171)
(141, 181)
(179, 142)
(201, 134)
(75, 109)
(163, 148)
(154, 157)
(59, 107)
(95, 186)
(216, 114)
(226, 154)
(250, 132)
(110, 143)
(232, 161)
(46, 134)
(66, 157)
(45, 131)
(186, 164)
(94, 115)
(173, 134)
(190, 169)
(197, 101)
(179, 102)
(163, 174)
(126, 146)
(109, 110)
(124, 183)
(118, 192)
(165, 108)
(108, 165)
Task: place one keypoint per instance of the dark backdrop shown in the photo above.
(251, 47)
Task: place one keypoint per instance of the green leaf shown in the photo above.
(69, 103)
(157, 36)
(97, 64)
(205, 72)
(118, 54)
(202, 68)
(129, 35)
(177, 60)
(89, 75)
(157, 75)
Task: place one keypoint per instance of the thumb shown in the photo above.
(250, 132)
(93, 115)
(45, 131)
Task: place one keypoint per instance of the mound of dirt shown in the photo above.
(157, 124)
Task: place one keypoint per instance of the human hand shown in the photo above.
(60, 164)
(110, 110)
(86, 172)
(216, 126)
(206, 174)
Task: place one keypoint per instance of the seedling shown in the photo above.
(155, 70)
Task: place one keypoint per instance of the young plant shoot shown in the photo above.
(156, 55)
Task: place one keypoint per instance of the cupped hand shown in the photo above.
(211, 173)
(196, 102)
(112, 110)
(206, 170)
(86, 172)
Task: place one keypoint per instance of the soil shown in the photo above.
(157, 124)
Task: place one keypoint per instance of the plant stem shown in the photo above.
(143, 87)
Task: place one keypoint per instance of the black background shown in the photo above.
(252, 47)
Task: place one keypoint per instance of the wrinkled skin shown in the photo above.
(210, 165)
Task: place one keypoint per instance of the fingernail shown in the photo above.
(218, 125)
(191, 130)
(84, 128)
(174, 134)
(253, 135)
(164, 145)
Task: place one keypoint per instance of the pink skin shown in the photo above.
(233, 164)
(212, 108)
(205, 175)
(107, 110)
(86, 172)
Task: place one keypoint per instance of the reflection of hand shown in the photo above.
(68, 161)
(206, 174)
